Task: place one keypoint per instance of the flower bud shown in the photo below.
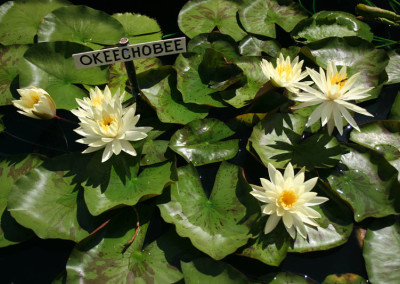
(36, 103)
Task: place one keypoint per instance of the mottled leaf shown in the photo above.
(252, 46)
(285, 278)
(348, 278)
(393, 68)
(155, 151)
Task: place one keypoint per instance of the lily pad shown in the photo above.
(199, 142)
(348, 278)
(369, 184)
(11, 169)
(9, 59)
(252, 46)
(139, 28)
(20, 20)
(357, 54)
(381, 250)
(159, 89)
(202, 16)
(285, 277)
(395, 111)
(80, 24)
(260, 16)
(155, 151)
(383, 137)
(217, 225)
(208, 270)
(326, 24)
(51, 67)
(393, 68)
(107, 256)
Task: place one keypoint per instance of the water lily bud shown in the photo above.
(36, 103)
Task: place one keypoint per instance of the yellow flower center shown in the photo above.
(338, 80)
(284, 68)
(35, 98)
(96, 101)
(106, 122)
(288, 198)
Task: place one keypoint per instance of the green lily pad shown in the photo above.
(106, 257)
(51, 67)
(139, 28)
(393, 68)
(357, 54)
(217, 225)
(326, 24)
(159, 89)
(381, 251)
(208, 270)
(348, 278)
(9, 59)
(11, 170)
(155, 151)
(285, 277)
(369, 184)
(80, 24)
(52, 205)
(395, 111)
(202, 16)
(335, 224)
(252, 46)
(151, 181)
(383, 137)
(199, 142)
(19, 20)
(260, 16)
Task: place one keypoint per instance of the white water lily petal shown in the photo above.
(272, 221)
(35, 103)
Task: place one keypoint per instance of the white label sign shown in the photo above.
(129, 52)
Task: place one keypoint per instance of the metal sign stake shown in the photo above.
(130, 70)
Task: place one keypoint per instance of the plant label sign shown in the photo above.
(129, 52)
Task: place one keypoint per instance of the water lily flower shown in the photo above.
(36, 103)
(110, 126)
(288, 198)
(335, 90)
(286, 74)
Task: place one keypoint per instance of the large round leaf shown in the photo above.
(9, 59)
(393, 68)
(202, 16)
(51, 67)
(11, 170)
(80, 24)
(260, 16)
(217, 225)
(369, 184)
(326, 24)
(252, 46)
(151, 181)
(383, 137)
(139, 28)
(159, 89)
(357, 54)
(19, 20)
(107, 256)
(199, 142)
(381, 251)
(208, 270)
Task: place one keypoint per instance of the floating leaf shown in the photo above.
(9, 59)
(217, 225)
(202, 16)
(139, 28)
(51, 67)
(326, 24)
(348, 278)
(208, 270)
(260, 16)
(357, 54)
(80, 24)
(393, 68)
(383, 137)
(11, 170)
(20, 20)
(159, 88)
(395, 111)
(155, 151)
(252, 46)
(151, 181)
(369, 185)
(381, 251)
(285, 278)
(106, 256)
(199, 142)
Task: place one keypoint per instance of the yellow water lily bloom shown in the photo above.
(336, 89)
(36, 103)
(289, 198)
(109, 125)
(286, 74)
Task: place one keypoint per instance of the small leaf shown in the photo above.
(218, 225)
(199, 142)
(155, 151)
(348, 278)
(393, 68)
(285, 278)
(395, 110)
(252, 46)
